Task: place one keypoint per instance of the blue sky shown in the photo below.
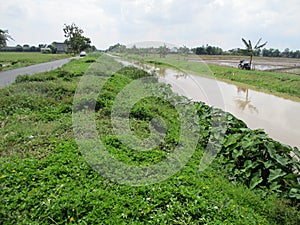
(192, 23)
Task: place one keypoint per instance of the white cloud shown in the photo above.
(191, 23)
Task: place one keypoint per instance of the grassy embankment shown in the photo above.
(44, 179)
(14, 60)
(280, 84)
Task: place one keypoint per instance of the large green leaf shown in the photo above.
(275, 186)
(232, 139)
(256, 180)
(236, 153)
(268, 164)
(296, 152)
(281, 160)
(295, 193)
(271, 150)
(274, 174)
(250, 165)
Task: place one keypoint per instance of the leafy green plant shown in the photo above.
(258, 161)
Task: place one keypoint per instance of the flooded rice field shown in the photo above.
(288, 65)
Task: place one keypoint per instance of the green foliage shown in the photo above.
(53, 49)
(47, 76)
(286, 84)
(62, 188)
(208, 50)
(4, 37)
(256, 160)
(163, 51)
(44, 179)
(252, 50)
(75, 41)
(253, 158)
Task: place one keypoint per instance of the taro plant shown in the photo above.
(253, 158)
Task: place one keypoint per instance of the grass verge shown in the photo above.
(14, 60)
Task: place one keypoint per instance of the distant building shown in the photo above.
(61, 47)
(174, 50)
(46, 50)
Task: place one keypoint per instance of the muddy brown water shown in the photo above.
(278, 117)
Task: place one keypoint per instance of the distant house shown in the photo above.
(46, 50)
(174, 50)
(61, 47)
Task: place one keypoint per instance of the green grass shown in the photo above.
(44, 178)
(13, 60)
(280, 84)
(266, 81)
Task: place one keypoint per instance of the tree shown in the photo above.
(19, 48)
(184, 51)
(250, 50)
(117, 48)
(75, 41)
(208, 50)
(286, 53)
(53, 49)
(200, 50)
(4, 37)
(163, 51)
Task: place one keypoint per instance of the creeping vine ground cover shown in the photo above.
(44, 178)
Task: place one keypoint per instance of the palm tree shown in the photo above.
(163, 51)
(250, 50)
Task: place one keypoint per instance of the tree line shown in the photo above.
(27, 48)
(75, 42)
(207, 50)
(271, 52)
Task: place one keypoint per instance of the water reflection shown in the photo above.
(161, 72)
(246, 102)
(181, 75)
(277, 116)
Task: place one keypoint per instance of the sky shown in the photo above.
(180, 22)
